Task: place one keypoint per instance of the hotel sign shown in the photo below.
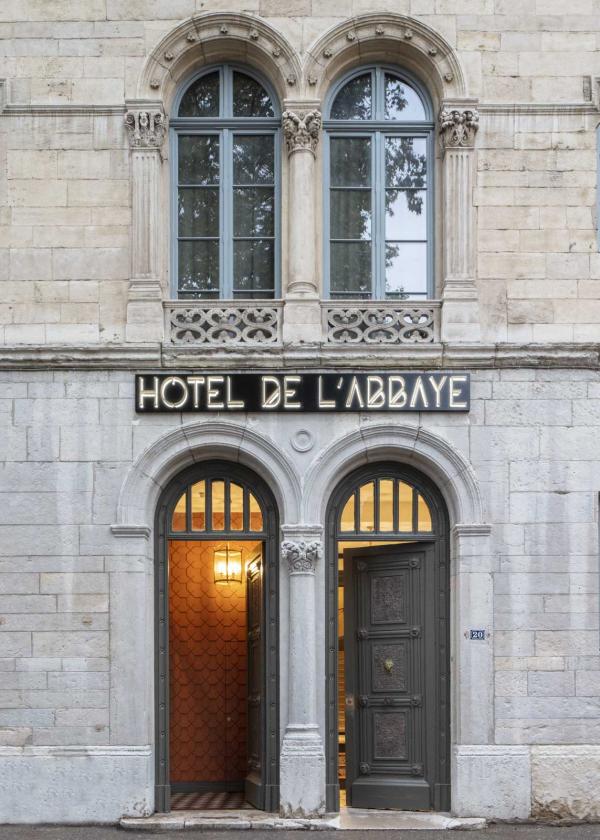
(298, 392)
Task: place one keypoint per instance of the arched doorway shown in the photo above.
(388, 652)
(216, 640)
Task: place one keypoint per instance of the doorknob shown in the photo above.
(388, 665)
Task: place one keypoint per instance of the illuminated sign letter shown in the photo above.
(375, 392)
(397, 392)
(148, 394)
(419, 389)
(174, 382)
(231, 403)
(270, 399)
(437, 386)
(456, 392)
(289, 392)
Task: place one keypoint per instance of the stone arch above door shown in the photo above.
(423, 449)
(179, 448)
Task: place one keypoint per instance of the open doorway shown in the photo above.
(209, 627)
(217, 687)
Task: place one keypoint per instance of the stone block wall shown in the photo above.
(76, 603)
(64, 168)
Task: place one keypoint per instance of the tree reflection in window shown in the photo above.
(379, 140)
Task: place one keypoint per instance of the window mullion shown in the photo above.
(227, 224)
(379, 218)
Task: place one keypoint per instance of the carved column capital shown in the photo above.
(146, 128)
(301, 556)
(458, 127)
(301, 130)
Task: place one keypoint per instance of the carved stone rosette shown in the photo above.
(458, 128)
(301, 556)
(301, 130)
(146, 128)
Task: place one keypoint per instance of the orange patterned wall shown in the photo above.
(208, 665)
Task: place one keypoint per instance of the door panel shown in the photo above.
(392, 673)
(254, 783)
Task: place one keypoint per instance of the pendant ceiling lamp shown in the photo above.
(227, 565)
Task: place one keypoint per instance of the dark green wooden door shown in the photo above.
(396, 678)
(254, 783)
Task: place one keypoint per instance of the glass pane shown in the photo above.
(367, 506)
(199, 268)
(178, 522)
(201, 99)
(198, 211)
(347, 520)
(405, 517)
(253, 211)
(423, 514)
(405, 269)
(405, 214)
(218, 505)
(250, 99)
(354, 101)
(405, 162)
(350, 161)
(253, 159)
(256, 520)
(350, 268)
(386, 505)
(350, 214)
(236, 507)
(253, 266)
(199, 506)
(198, 159)
(401, 101)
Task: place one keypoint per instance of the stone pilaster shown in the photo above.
(302, 776)
(146, 129)
(458, 124)
(301, 129)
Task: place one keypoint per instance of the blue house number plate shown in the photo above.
(477, 634)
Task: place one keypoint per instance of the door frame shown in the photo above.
(270, 722)
(441, 547)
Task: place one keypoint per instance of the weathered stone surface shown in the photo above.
(563, 782)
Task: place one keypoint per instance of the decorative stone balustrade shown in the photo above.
(260, 323)
(374, 322)
(223, 323)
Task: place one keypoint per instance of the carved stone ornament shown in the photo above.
(301, 556)
(146, 128)
(301, 131)
(458, 128)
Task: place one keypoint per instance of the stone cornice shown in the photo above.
(306, 357)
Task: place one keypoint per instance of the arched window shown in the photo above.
(379, 187)
(226, 176)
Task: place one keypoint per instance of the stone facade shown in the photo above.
(85, 303)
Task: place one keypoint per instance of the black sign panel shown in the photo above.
(298, 392)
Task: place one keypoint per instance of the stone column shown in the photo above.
(302, 314)
(302, 775)
(460, 313)
(146, 129)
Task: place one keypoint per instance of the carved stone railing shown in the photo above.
(223, 323)
(377, 322)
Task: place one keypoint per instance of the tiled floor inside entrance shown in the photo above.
(222, 801)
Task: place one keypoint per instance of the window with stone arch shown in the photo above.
(226, 184)
(379, 134)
